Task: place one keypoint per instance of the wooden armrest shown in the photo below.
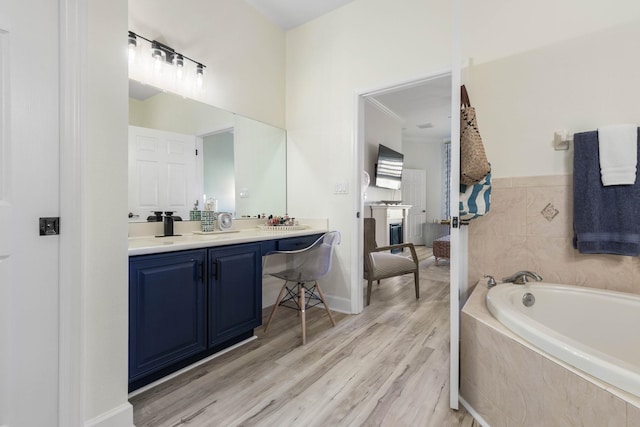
(397, 246)
(400, 245)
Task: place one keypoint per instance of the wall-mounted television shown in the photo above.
(389, 168)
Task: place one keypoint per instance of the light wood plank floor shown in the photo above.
(388, 366)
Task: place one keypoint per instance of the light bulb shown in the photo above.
(199, 75)
(132, 43)
(178, 61)
(158, 56)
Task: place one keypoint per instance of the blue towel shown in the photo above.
(606, 220)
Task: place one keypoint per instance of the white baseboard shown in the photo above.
(473, 412)
(341, 305)
(120, 416)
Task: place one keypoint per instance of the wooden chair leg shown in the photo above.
(369, 286)
(275, 307)
(324, 301)
(416, 278)
(302, 313)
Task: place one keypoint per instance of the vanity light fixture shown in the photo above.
(163, 54)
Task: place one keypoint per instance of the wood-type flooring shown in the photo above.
(388, 366)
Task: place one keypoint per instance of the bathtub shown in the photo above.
(595, 331)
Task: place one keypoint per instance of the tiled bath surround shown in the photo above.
(510, 383)
(505, 379)
(530, 227)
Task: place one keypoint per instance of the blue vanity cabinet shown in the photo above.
(167, 310)
(235, 291)
(187, 305)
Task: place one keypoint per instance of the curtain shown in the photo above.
(446, 179)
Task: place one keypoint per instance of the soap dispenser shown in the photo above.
(168, 223)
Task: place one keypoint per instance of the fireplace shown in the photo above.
(395, 236)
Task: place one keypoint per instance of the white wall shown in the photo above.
(362, 46)
(176, 114)
(577, 84)
(379, 128)
(243, 51)
(106, 261)
(493, 29)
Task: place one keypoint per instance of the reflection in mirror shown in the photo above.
(240, 162)
(218, 169)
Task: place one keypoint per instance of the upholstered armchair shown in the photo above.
(380, 264)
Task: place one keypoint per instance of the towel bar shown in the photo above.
(561, 140)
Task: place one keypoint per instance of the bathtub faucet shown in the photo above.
(491, 282)
(522, 277)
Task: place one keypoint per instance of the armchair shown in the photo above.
(380, 264)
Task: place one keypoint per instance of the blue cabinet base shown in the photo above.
(185, 306)
(134, 385)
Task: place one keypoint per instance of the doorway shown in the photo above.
(413, 118)
(414, 106)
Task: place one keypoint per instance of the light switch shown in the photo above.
(341, 188)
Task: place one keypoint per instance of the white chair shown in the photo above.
(301, 279)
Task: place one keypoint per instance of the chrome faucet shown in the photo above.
(491, 282)
(522, 277)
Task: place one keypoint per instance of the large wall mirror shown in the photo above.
(183, 152)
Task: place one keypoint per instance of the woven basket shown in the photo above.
(474, 165)
(473, 160)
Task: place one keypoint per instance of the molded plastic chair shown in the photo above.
(380, 264)
(307, 266)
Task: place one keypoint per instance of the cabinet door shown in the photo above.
(167, 317)
(235, 291)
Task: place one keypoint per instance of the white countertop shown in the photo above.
(143, 245)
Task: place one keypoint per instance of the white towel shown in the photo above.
(618, 149)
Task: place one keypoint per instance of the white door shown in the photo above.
(29, 189)
(458, 251)
(414, 193)
(162, 172)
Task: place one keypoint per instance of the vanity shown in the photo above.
(193, 295)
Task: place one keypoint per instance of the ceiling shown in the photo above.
(141, 91)
(289, 14)
(424, 109)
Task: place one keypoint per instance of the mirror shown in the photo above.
(240, 165)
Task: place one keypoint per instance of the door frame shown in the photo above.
(357, 294)
(457, 265)
(73, 29)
